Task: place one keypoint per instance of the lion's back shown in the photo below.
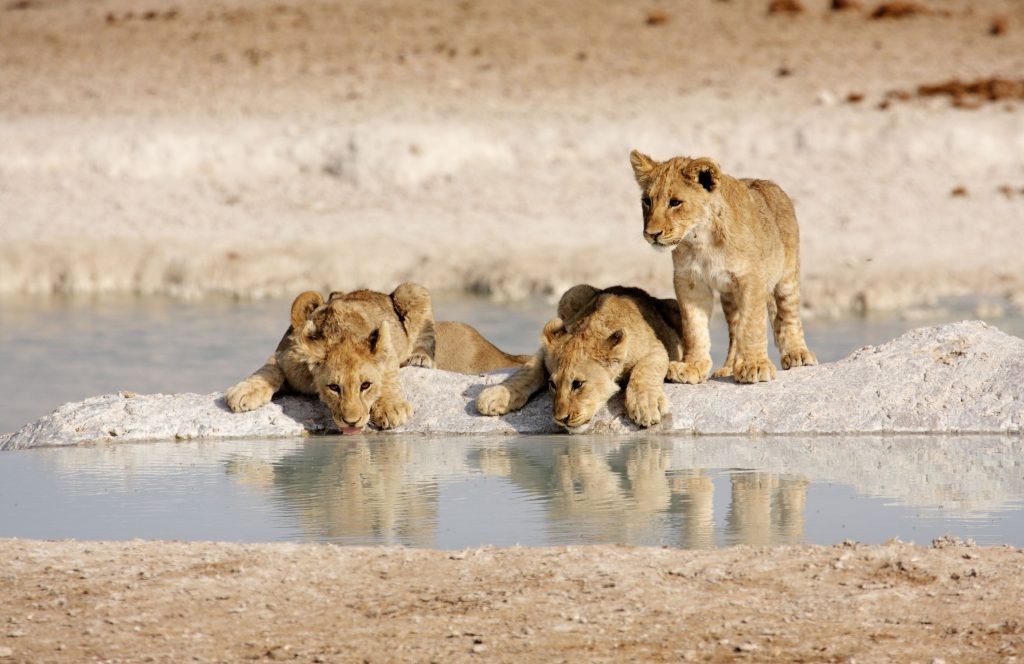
(648, 321)
(776, 208)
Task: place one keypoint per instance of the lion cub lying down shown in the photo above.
(348, 351)
(737, 237)
(600, 338)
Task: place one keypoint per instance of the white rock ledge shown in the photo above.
(964, 377)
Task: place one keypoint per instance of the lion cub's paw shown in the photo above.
(688, 372)
(390, 413)
(250, 394)
(753, 371)
(420, 359)
(494, 400)
(645, 407)
(723, 372)
(799, 358)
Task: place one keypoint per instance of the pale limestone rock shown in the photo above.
(956, 378)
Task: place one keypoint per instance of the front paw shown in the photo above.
(494, 400)
(798, 358)
(420, 359)
(724, 372)
(250, 394)
(689, 372)
(753, 371)
(390, 413)
(645, 407)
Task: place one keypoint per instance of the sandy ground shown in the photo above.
(259, 148)
(174, 602)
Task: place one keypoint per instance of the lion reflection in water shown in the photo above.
(618, 495)
(387, 492)
(358, 492)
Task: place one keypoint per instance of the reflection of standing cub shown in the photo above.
(737, 237)
(600, 338)
(348, 350)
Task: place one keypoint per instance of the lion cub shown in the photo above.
(737, 237)
(348, 351)
(601, 337)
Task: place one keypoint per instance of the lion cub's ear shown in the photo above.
(309, 343)
(552, 330)
(643, 166)
(703, 171)
(380, 339)
(616, 349)
(305, 304)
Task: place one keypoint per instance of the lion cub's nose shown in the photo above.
(564, 420)
(653, 237)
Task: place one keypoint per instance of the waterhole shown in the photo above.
(464, 491)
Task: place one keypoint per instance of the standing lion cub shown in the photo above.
(348, 349)
(737, 237)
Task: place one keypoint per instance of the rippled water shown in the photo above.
(458, 492)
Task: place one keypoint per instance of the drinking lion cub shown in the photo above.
(601, 337)
(349, 348)
(737, 237)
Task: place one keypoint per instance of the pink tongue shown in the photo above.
(351, 431)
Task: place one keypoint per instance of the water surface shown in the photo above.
(451, 493)
(455, 492)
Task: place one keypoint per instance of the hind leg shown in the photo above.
(412, 304)
(789, 331)
(732, 317)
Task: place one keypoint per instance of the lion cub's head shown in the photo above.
(347, 353)
(676, 196)
(583, 366)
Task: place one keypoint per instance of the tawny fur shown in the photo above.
(737, 237)
(348, 349)
(601, 338)
(459, 347)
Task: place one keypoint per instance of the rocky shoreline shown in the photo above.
(956, 378)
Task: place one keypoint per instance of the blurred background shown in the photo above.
(172, 173)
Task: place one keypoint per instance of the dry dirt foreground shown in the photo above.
(171, 602)
(261, 147)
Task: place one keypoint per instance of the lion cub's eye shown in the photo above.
(674, 202)
(333, 387)
(576, 384)
(646, 201)
(365, 386)
(551, 384)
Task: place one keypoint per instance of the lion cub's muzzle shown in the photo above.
(350, 424)
(658, 240)
(573, 423)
